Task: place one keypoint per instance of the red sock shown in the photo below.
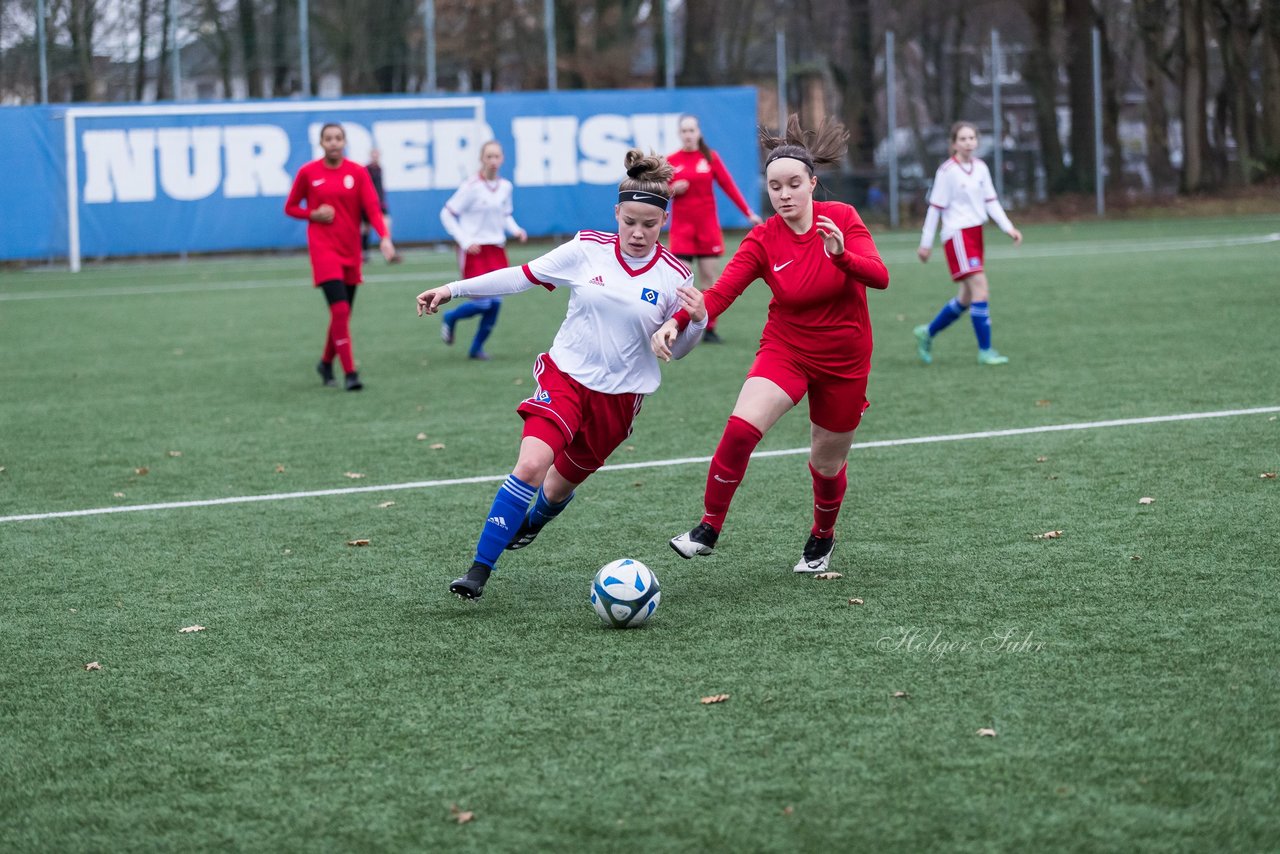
(728, 467)
(329, 352)
(828, 495)
(340, 334)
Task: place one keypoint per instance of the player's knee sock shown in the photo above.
(980, 314)
(329, 351)
(728, 467)
(828, 495)
(462, 312)
(950, 314)
(340, 333)
(543, 511)
(504, 519)
(488, 320)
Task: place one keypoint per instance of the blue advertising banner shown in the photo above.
(101, 181)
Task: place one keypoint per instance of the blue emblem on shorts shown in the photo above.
(975, 262)
(649, 295)
(543, 396)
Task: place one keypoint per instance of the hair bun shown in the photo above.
(637, 170)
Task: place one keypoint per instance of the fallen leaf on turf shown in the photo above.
(354, 475)
(357, 542)
(118, 494)
(828, 576)
(438, 446)
(520, 381)
(384, 505)
(714, 698)
(1042, 402)
(422, 437)
(1266, 475)
(175, 453)
(1048, 535)
(788, 810)
(141, 470)
(189, 629)
(900, 695)
(855, 602)
(93, 665)
(1, 468)
(1146, 499)
(631, 447)
(461, 816)
(279, 469)
(989, 733)
(288, 551)
(1042, 459)
(1135, 557)
(901, 317)
(75, 610)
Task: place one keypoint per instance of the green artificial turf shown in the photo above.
(339, 699)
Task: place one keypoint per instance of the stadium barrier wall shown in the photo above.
(100, 181)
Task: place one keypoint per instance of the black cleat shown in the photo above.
(325, 370)
(710, 337)
(524, 536)
(353, 381)
(817, 554)
(700, 541)
(471, 585)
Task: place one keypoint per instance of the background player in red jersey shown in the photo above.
(818, 259)
(338, 194)
(593, 380)
(963, 196)
(695, 228)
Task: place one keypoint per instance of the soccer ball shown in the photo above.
(625, 593)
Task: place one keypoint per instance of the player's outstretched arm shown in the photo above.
(429, 302)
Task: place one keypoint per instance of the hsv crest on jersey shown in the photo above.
(649, 295)
(348, 181)
(543, 396)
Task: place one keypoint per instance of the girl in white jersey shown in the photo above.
(479, 216)
(593, 380)
(964, 196)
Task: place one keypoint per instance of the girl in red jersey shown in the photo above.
(818, 259)
(594, 379)
(695, 228)
(338, 193)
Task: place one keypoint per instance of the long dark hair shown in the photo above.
(820, 147)
(702, 140)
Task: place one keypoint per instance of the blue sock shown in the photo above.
(981, 317)
(543, 511)
(504, 518)
(488, 319)
(467, 309)
(950, 314)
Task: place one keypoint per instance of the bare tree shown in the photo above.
(1270, 147)
(1152, 24)
(140, 78)
(214, 31)
(1194, 93)
(701, 18)
(248, 23)
(1041, 75)
(1235, 33)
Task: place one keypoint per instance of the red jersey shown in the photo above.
(695, 228)
(819, 306)
(349, 190)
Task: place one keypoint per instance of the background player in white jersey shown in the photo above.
(964, 196)
(592, 382)
(479, 216)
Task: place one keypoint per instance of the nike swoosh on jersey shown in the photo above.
(317, 182)
(778, 267)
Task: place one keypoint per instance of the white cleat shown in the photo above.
(700, 541)
(817, 555)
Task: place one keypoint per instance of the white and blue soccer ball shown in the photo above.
(625, 593)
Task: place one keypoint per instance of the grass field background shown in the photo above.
(339, 699)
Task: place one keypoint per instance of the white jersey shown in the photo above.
(964, 195)
(480, 213)
(616, 303)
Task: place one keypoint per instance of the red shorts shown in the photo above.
(697, 237)
(835, 403)
(488, 259)
(326, 268)
(582, 426)
(964, 252)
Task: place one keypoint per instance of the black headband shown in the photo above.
(642, 196)
(778, 155)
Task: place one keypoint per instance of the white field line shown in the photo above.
(1056, 250)
(458, 481)
(205, 287)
